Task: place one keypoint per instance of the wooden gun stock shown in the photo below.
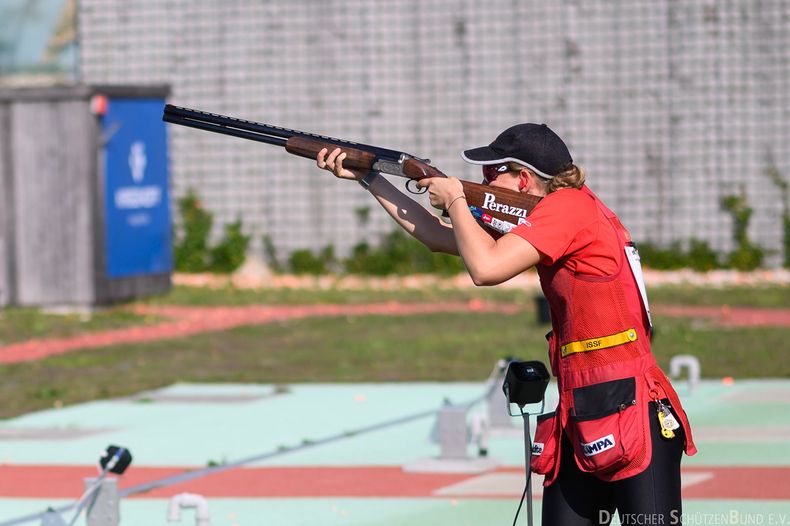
(416, 169)
(305, 147)
(499, 208)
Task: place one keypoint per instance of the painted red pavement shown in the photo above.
(26, 481)
(66, 481)
(187, 321)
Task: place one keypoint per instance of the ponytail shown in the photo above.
(573, 177)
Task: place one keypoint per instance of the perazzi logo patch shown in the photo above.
(537, 448)
(598, 446)
(489, 203)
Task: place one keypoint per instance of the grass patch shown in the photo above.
(435, 347)
(346, 349)
(239, 297)
(773, 296)
(753, 352)
(19, 324)
(767, 296)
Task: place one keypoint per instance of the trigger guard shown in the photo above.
(416, 192)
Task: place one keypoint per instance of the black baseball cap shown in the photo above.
(533, 145)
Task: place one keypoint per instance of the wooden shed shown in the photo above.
(84, 195)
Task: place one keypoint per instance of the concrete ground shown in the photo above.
(318, 458)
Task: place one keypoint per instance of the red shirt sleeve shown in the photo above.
(563, 222)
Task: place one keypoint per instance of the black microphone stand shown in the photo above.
(525, 383)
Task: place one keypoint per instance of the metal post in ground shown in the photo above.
(104, 506)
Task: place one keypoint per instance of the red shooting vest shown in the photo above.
(600, 354)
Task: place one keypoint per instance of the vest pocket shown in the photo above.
(545, 444)
(607, 430)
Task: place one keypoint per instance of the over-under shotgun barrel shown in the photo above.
(498, 207)
(257, 131)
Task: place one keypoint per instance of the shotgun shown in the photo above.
(497, 208)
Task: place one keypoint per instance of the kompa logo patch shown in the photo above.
(537, 448)
(598, 446)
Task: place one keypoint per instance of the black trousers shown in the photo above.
(649, 498)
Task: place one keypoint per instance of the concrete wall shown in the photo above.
(669, 104)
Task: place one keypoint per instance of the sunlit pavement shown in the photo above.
(740, 476)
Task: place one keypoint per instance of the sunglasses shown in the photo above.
(492, 171)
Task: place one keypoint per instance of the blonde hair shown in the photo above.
(572, 177)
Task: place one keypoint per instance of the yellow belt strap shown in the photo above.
(604, 342)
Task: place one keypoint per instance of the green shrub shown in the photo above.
(671, 258)
(701, 257)
(303, 261)
(364, 260)
(747, 255)
(231, 251)
(406, 253)
(741, 214)
(363, 215)
(191, 249)
(400, 254)
(446, 264)
(784, 192)
(786, 226)
(191, 243)
(270, 254)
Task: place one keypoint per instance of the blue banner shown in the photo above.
(137, 200)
